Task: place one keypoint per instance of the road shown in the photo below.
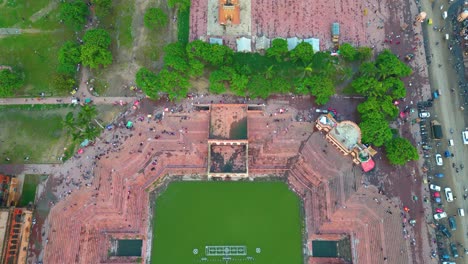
(82, 93)
(444, 76)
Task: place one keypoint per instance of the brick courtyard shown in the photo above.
(288, 18)
(116, 205)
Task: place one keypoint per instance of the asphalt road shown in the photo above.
(444, 76)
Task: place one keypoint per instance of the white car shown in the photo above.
(424, 114)
(439, 160)
(440, 216)
(448, 194)
(465, 137)
(434, 187)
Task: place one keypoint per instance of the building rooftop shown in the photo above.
(347, 133)
(229, 12)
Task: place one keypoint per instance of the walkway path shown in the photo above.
(83, 92)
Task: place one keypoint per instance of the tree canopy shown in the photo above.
(95, 50)
(389, 65)
(348, 52)
(102, 7)
(63, 82)
(375, 131)
(400, 150)
(84, 125)
(303, 52)
(181, 4)
(278, 49)
(321, 87)
(146, 80)
(74, 14)
(69, 56)
(10, 80)
(155, 18)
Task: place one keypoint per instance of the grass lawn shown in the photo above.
(13, 11)
(192, 215)
(29, 188)
(119, 24)
(36, 133)
(183, 26)
(36, 54)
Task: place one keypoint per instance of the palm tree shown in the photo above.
(269, 73)
(86, 114)
(69, 122)
(91, 132)
(306, 71)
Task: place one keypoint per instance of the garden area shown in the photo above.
(28, 194)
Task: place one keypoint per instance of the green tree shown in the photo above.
(400, 150)
(259, 87)
(280, 85)
(69, 123)
(278, 49)
(348, 52)
(196, 68)
(218, 81)
(388, 65)
(146, 80)
(220, 55)
(86, 115)
(69, 56)
(368, 86)
(323, 62)
(155, 18)
(239, 84)
(63, 82)
(181, 4)
(375, 131)
(321, 87)
(172, 83)
(364, 53)
(198, 49)
(387, 106)
(303, 52)
(368, 69)
(371, 105)
(74, 14)
(176, 57)
(95, 50)
(395, 87)
(91, 132)
(102, 7)
(10, 80)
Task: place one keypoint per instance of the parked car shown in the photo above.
(439, 160)
(444, 231)
(439, 216)
(426, 147)
(452, 223)
(448, 194)
(454, 250)
(434, 187)
(439, 175)
(424, 114)
(444, 255)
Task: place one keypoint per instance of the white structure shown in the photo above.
(218, 41)
(262, 43)
(292, 42)
(244, 44)
(314, 42)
